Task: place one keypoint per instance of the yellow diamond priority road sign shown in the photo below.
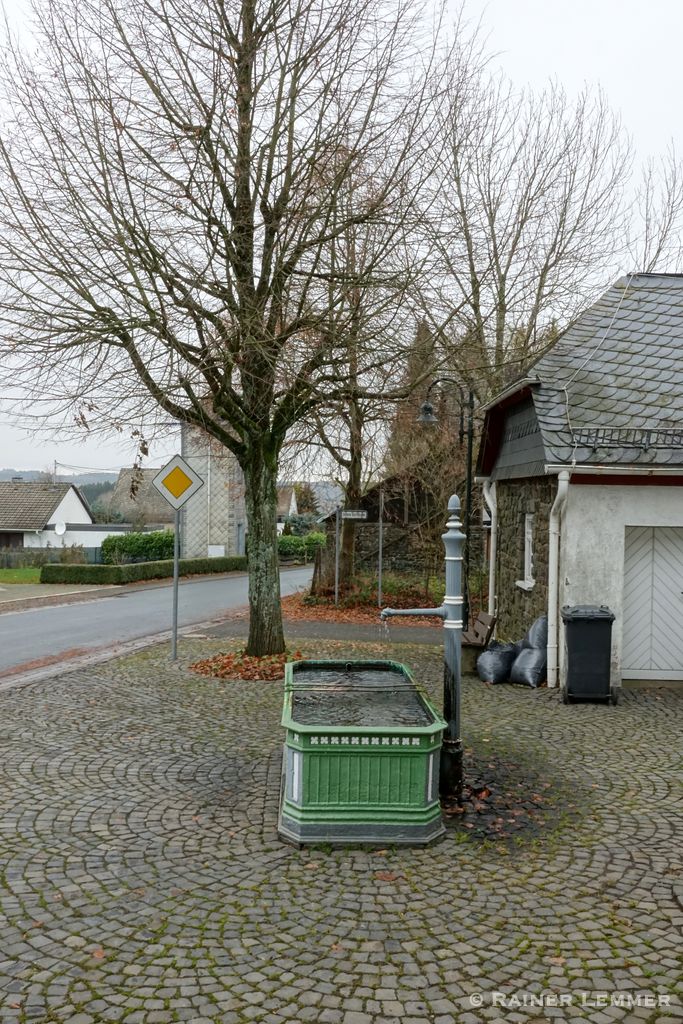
(177, 481)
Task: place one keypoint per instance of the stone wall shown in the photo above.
(406, 550)
(517, 608)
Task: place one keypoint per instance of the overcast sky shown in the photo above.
(632, 49)
(629, 48)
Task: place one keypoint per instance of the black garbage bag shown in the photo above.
(537, 637)
(529, 667)
(494, 664)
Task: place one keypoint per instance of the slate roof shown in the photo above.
(610, 391)
(147, 502)
(28, 504)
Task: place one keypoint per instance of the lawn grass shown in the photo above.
(29, 574)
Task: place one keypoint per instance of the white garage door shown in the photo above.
(653, 603)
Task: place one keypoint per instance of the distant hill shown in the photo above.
(72, 478)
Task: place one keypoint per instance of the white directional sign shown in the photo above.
(177, 481)
(354, 513)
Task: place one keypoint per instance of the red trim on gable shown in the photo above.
(625, 479)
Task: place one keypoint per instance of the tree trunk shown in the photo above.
(354, 493)
(266, 635)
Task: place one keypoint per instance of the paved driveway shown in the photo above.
(143, 881)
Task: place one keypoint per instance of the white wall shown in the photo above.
(592, 546)
(89, 538)
(70, 510)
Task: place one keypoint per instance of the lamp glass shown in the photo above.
(427, 414)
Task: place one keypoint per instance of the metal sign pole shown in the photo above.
(336, 556)
(176, 573)
(177, 482)
(380, 553)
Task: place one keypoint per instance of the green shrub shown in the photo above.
(291, 546)
(55, 573)
(315, 540)
(122, 548)
(135, 571)
(187, 567)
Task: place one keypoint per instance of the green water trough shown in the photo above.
(361, 756)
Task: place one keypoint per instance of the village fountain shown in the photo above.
(366, 754)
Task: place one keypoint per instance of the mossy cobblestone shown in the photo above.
(142, 878)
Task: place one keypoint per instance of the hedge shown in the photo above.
(138, 570)
(122, 548)
(292, 546)
(53, 573)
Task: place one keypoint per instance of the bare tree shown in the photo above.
(530, 218)
(656, 233)
(373, 322)
(172, 178)
(344, 442)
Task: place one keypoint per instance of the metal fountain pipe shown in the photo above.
(450, 779)
(387, 613)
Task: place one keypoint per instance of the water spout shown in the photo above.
(387, 612)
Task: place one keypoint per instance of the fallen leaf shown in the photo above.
(386, 876)
(558, 961)
(98, 954)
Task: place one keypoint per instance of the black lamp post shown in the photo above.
(428, 418)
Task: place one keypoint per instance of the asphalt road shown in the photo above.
(38, 636)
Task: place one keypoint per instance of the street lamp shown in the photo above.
(428, 418)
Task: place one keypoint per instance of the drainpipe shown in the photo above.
(554, 574)
(492, 505)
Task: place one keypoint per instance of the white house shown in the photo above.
(37, 514)
(582, 464)
(286, 505)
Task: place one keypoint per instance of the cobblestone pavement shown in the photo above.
(143, 880)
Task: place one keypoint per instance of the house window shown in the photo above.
(527, 581)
